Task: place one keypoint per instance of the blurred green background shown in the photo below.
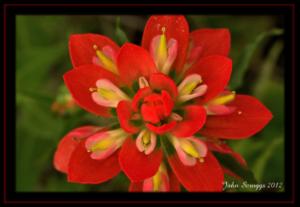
(42, 58)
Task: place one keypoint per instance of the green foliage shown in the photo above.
(231, 164)
(120, 34)
(241, 64)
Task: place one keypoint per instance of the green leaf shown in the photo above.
(120, 34)
(241, 65)
(261, 164)
(37, 117)
(267, 69)
(230, 163)
(33, 74)
(58, 183)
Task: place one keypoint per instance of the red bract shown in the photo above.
(162, 94)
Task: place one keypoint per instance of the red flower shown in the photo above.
(155, 144)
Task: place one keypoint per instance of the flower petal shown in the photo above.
(136, 187)
(160, 81)
(161, 129)
(215, 71)
(250, 117)
(211, 41)
(83, 169)
(138, 97)
(68, 144)
(174, 184)
(194, 119)
(80, 80)
(176, 28)
(124, 112)
(202, 177)
(82, 50)
(135, 164)
(134, 62)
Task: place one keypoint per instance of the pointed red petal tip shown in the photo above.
(160, 81)
(215, 71)
(83, 169)
(202, 177)
(134, 62)
(135, 164)
(80, 81)
(176, 27)
(192, 122)
(211, 41)
(81, 47)
(125, 113)
(250, 117)
(68, 144)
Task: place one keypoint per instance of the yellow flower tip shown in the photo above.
(201, 159)
(95, 47)
(163, 30)
(92, 89)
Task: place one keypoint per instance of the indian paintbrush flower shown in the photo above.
(172, 103)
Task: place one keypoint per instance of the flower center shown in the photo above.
(157, 107)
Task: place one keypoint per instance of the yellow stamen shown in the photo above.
(146, 138)
(107, 94)
(156, 181)
(106, 61)
(189, 87)
(157, 178)
(102, 145)
(189, 148)
(162, 49)
(201, 159)
(223, 99)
